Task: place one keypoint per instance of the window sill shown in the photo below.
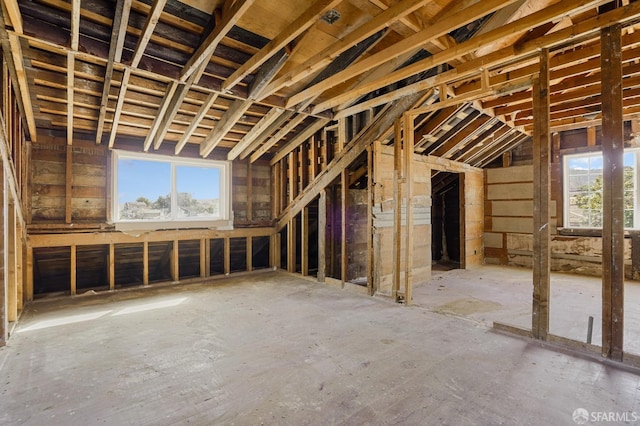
(592, 232)
(222, 225)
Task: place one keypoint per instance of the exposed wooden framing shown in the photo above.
(344, 180)
(227, 256)
(291, 245)
(253, 134)
(175, 261)
(28, 273)
(304, 246)
(11, 276)
(126, 75)
(297, 27)
(291, 125)
(203, 257)
(591, 136)
(249, 192)
(276, 189)
(541, 212)
(202, 112)
(4, 324)
(324, 58)
(68, 194)
(118, 32)
(112, 267)
(233, 114)
(147, 31)
(207, 257)
(370, 249)
(278, 120)
(397, 209)
(13, 14)
(230, 16)
(73, 269)
(406, 45)
(500, 57)
(266, 73)
(383, 120)
(70, 93)
(322, 235)
(612, 196)
(292, 175)
(162, 112)
(276, 242)
(299, 139)
(249, 254)
(12, 50)
(408, 144)
(145, 261)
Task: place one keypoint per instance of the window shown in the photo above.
(153, 191)
(583, 190)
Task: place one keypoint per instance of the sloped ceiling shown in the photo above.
(242, 78)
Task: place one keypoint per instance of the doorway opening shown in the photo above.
(446, 221)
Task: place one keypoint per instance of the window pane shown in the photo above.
(144, 189)
(198, 191)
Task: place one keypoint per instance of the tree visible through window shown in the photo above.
(154, 188)
(583, 190)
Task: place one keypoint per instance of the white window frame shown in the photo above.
(223, 221)
(565, 187)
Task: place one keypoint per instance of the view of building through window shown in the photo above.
(167, 189)
(583, 190)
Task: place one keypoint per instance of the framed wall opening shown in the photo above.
(447, 215)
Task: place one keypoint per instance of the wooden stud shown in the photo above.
(203, 257)
(249, 193)
(322, 235)
(408, 146)
(227, 256)
(145, 261)
(12, 285)
(28, 273)
(70, 93)
(175, 261)
(344, 261)
(313, 155)
(591, 136)
(292, 175)
(276, 187)
(397, 210)
(304, 246)
(112, 267)
(19, 262)
(207, 257)
(249, 254)
(541, 212)
(612, 195)
(291, 245)
(73, 269)
(4, 324)
(68, 185)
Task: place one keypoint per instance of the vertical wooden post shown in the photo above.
(19, 259)
(370, 287)
(227, 256)
(291, 245)
(397, 211)
(304, 246)
(276, 261)
(322, 235)
(12, 288)
(541, 189)
(175, 261)
(74, 269)
(145, 260)
(249, 254)
(313, 157)
(249, 192)
(276, 190)
(293, 176)
(4, 326)
(344, 181)
(612, 195)
(203, 257)
(112, 266)
(591, 136)
(207, 257)
(69, 185)
(28, 273)
(408, 164)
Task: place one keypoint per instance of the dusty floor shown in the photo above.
(275, 349)
(503, 294)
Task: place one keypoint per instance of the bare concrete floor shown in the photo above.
(496, 293)
(276, 349)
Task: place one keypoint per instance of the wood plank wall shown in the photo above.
(508, 237)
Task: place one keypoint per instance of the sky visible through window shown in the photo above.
(152, 179)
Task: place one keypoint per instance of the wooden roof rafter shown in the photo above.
(119, 25)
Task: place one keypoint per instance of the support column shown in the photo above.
(12, 279)
(343, 224)
(541, 190)
(4, 325)
(612, 195)
(408, 146)
(304, 238)
(322, 235)
(397, 211)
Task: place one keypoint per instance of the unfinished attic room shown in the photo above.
(312, 212)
